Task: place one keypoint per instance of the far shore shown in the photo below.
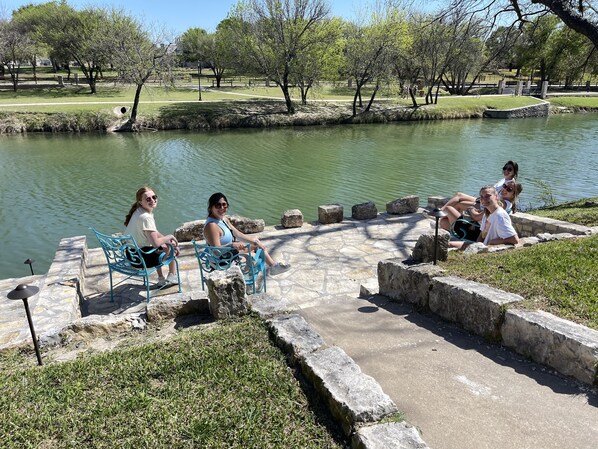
(216, 115)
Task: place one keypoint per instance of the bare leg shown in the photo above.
(452, 215)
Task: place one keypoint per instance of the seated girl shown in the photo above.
(219, 231)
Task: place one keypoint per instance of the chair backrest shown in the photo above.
(122, 253)
(215, 258)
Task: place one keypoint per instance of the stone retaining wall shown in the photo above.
(528, 225)
(568, 347)
(538, 110)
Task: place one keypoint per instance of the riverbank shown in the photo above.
(195, 116)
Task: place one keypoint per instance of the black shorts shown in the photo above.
(466, 231)
(151, 260)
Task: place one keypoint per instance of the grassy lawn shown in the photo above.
(222, 387)
(583, 212)
(557, 277)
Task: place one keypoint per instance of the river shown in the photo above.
(55, 186)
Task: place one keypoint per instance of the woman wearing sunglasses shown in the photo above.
(508, 194)
(462, 201)
(496, 227)
(510, 172)
(219, 231)
(141, 225)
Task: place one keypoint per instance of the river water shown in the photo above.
(55, 186)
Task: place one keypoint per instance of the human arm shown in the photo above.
(158, 240)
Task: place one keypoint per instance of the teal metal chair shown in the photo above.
(124, 256)
(465, 230)
(217, 258)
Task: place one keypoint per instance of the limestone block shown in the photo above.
(475, 248)
(408, 283)
(364, 211)
(353, 397)
(226, 290)
(247, 225)
(295, 336)
(172, 306)
(423, 251)
(291, 218)
(394, 435)
(405, 205)
(436, 202)
(570, 348)
(479, 308)
(189, 231)
(330, 213)
(89, 328)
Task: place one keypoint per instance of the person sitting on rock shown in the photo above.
(219, 231)
(496, 227)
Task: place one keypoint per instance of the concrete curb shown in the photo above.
(353, 398)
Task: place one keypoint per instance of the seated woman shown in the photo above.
(496, 225)
(141, 225)
(462, 201)
(469, 229)
(219, 231)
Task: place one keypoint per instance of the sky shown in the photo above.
(179, 15)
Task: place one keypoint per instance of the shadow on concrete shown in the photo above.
(498, 354)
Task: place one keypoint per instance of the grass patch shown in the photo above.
(582, 103)
(583, 212)
(557, 277)
(222, 387)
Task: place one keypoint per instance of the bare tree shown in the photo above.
(579, 15)
(276, 33)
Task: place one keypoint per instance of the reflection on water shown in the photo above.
(58, 186)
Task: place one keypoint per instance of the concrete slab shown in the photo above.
(458, 390)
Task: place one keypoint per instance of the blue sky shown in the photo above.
(178, 15)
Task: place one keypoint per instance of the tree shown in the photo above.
(579, 15)
(15, 48)
(370, 49)
(275, 34)
(135, 55)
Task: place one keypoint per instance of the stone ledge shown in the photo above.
(479, 308)
(529, 225)
(295, 336)
(58, 303)
(407, 283)
(177, 304)
(570, 348)
(398, 435)
(353, 398)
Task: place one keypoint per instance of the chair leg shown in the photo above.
(111, 291)
(178, 274)
(147, 287)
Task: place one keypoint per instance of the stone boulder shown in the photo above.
(226, 291)
(364, 211)
(330, 213)
(405, 205)
(191, 230)
(291, 218)
(436, 202)
(423, 252)
(247, 225)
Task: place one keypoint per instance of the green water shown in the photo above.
(55, 186)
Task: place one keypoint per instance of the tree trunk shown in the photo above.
(287, 99)
(133, 117)
(412, 90)
(372, 98)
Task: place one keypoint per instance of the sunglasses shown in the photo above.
(507, 168)
(508, 187)
(153, 198)
(220, 205)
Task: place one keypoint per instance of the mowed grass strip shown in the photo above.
(223, 387)
(557, 277)
(583, 212)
